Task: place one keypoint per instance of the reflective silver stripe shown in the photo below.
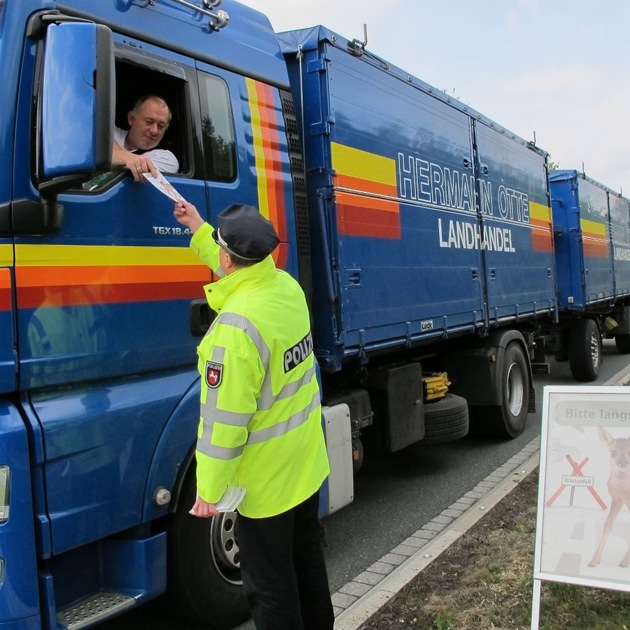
(219, 452)
(244, 324)
(266, 398)
(230, 418)
(282, 428)
(211, 414)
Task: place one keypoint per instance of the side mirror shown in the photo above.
(78, 97)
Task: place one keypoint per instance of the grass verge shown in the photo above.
(484, 581)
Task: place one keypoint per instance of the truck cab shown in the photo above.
(98, 379)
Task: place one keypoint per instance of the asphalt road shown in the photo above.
(396, 495)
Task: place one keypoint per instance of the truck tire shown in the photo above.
(204, 580)
(585, 350)
(445, 420)
(506, 420)
(623, 343)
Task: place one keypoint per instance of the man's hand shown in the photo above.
(137, 164)
(188, 215)
(203, 509)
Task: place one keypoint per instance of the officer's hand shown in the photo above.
(187, 215)
(203, 509)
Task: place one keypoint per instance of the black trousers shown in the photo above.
(283, 570)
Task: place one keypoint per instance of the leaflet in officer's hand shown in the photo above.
(164, 186)
(230, 500)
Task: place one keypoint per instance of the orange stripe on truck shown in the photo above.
(364, 216)
(594, 238)
(58, 283)
(365, 193)
(5, 290)
(268, 147)
(102, 285)
(542, 228)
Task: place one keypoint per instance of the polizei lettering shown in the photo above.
(463, 235)
(298, 353)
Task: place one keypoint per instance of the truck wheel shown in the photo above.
(445, 420)
(508, 419)
(204, 580)
(585, 350)
(623, 343)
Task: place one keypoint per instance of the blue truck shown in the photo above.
(420, 230)
(592, 249)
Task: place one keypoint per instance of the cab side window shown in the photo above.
(132, 82)
(217, 128)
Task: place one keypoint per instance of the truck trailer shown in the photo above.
(420, 230)
(591, 225)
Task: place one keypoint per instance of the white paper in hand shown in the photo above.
(230, 499)
(164, 186)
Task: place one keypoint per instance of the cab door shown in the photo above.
(102, 298)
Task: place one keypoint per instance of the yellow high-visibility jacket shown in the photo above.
(260, 425)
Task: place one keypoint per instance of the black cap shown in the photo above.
(243, 231)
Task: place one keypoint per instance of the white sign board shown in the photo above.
(583, 519)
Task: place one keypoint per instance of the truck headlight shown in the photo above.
(5, 487)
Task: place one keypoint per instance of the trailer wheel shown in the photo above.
(445, 420)
(585, 350)
(506, 420)
(623, 343)
(204, 579)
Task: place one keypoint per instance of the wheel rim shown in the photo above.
(516, 389)
(225, 552)
(595, 351)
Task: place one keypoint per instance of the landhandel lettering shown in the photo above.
(463, 235)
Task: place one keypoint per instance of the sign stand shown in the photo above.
(536, 604)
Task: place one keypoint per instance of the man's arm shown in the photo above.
(136, 164)
(164, 160)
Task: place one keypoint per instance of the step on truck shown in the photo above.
(420, 230)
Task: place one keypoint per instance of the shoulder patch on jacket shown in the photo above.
(214, 374)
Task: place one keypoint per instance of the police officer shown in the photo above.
(260, 425)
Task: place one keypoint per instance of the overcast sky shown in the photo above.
(556, 69)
